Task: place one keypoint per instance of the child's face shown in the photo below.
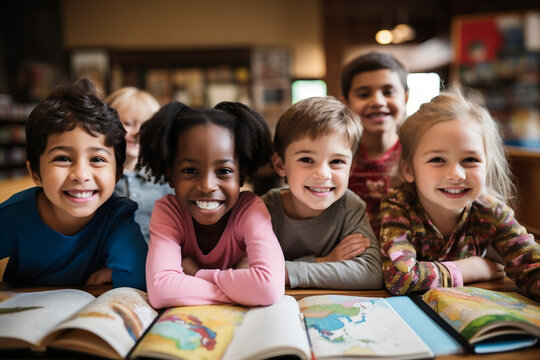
(206, 173)
(132, 116)
(77, 173)
(449, 167)
(317, 172)
(379, 98)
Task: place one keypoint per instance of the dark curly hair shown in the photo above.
(64, 110)
(158, 136)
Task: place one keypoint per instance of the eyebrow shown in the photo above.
(69, 148)
(309, 152)
(220, 161)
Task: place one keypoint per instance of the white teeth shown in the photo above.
(207, 205)
(80, 195)
(319, 189)
(454, 191)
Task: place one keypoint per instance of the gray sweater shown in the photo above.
(304, 240)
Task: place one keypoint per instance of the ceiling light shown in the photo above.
(384, 37)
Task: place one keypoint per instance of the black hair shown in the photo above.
(370, 62)
(65, 109)
(158, 136)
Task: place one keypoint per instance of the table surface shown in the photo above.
(504, 284)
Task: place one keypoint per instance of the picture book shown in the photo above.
(486, 321)
(74, 320)
(329, 326)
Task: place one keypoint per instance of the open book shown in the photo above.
(337, 326)
(69, 319)
(485, 321)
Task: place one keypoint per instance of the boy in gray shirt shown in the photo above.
(321, 225)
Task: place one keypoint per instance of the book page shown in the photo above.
(191, 332)
(30, 316)
(478, 314)
(270, 331)
(340, 325)
(119, 317)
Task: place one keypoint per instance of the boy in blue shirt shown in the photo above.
(71, 229)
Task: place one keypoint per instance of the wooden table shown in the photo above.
(504, 284)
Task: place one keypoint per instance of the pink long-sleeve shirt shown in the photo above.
(248, 232)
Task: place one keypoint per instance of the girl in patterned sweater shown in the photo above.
(437, 227)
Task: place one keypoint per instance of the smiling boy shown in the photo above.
(321, 225)
(374, 86)
(70, 229)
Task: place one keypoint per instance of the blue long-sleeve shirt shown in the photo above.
(41, 256)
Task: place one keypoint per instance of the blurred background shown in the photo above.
(271, 53)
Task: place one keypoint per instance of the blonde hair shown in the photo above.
(315, 117)
(456, 104)
(132, 95)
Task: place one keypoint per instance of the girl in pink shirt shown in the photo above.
(210, 243)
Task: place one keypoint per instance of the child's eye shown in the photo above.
(98, 159)
(61, 158)
(389, 92)
(363, 94)
(471, 160)
(338, 162)
(190, 171)
(436, 160)
(224, 171)
(306, 160)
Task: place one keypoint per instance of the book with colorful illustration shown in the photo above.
(485, 321)
(337, 326)
(74, 320)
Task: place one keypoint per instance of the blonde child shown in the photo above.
(374, 86)
(210, 243)
(71, 229)
(437, 227)
(321, 225)
(134, 107)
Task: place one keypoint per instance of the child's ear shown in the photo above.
(406, 171)
(35, 176)
(278, 164)
(342, 99)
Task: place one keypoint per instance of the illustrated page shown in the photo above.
(31, 316)
(341, 325)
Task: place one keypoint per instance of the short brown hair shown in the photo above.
(315, 117)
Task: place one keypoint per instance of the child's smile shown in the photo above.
(449, 167)
(78, 174)
(205, 174)
(317, 172)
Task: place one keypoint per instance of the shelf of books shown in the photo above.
(499, 55)
(13, 137)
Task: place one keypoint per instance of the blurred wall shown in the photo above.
(162, 24)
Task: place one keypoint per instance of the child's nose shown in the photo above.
(323, 172)
(80, 172)
(378, 98)
(456, 173)
(207, 183)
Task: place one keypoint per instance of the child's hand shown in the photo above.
(243, 263)
(476, 268)
(99, 277)
(189, 266)
(351, 246)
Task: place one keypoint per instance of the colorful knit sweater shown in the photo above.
(416, 256)
(371, 179)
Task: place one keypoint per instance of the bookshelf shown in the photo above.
(13, 137)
